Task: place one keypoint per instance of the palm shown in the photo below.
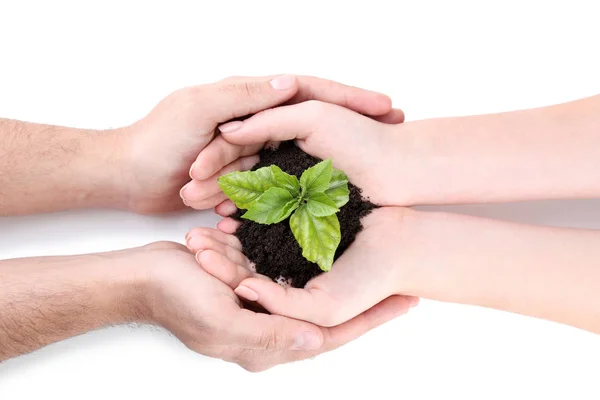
(164, 145)
(364, 275)
(206, 315)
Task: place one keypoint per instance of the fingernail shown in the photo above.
(283, 82)
(192, 170)
(197, 256)
(182, 195)
(250, 161)
(246, 293)
(182, 191)
(230, 126)
(307, 341)
(414, 301)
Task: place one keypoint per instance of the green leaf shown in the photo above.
(275, 205)
(338, 188)
(320, 205)
(286, 181)
(318, 237)
(316, 178)
(243, 188)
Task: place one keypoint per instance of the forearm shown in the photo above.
(46, 168)
(545, 153)
(47, 299)
(550, 273)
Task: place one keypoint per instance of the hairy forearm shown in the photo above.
(47, 299)
(550, 273)
(545, 153)
(47, 168)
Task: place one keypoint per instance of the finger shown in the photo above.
(330, 299)
(414, 301)
(226, 208)
(228, 225)
(197, 191)
(207, 203)
(209, 238)
(201, 244)
(312, 305)
(233, 99)
(338, 336)
(273, 332)
(228, 240)
(379, 314)
(395, 116)
(224, 267)
(356, 99)
(217, 154)
(287, 123)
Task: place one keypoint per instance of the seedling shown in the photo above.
(270, 196)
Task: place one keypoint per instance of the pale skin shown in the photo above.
(141, 168)
(545, 153)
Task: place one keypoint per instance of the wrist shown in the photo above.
(122, 284)
(420, 164)
(101, 170)
(410, 236)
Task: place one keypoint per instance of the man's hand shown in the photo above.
(208, 317)
(143, 167)
(163, 146)
(43, 300)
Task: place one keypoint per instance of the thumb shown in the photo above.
(331, 298)
(235, 98)
(274, 332)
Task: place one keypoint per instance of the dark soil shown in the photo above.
(273, 248)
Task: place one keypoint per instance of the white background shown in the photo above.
(105, 64)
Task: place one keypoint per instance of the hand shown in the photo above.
(206, 315)
(221, 157)
(329, 131)
(370, 270)
(161, 148)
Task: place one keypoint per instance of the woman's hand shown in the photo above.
(322, 129)
(374, 268)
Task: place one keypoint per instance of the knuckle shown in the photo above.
(210, 201)
(316, 109)
(204, 242)
(245, 89)
(196, 232)
(269, 340)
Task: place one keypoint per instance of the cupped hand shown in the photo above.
(160, 149)
(207, 316)
(221, 156)
(368, 151)
(377, 266)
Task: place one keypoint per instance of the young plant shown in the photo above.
(270, 196)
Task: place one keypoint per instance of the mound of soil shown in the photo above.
(273, 248)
